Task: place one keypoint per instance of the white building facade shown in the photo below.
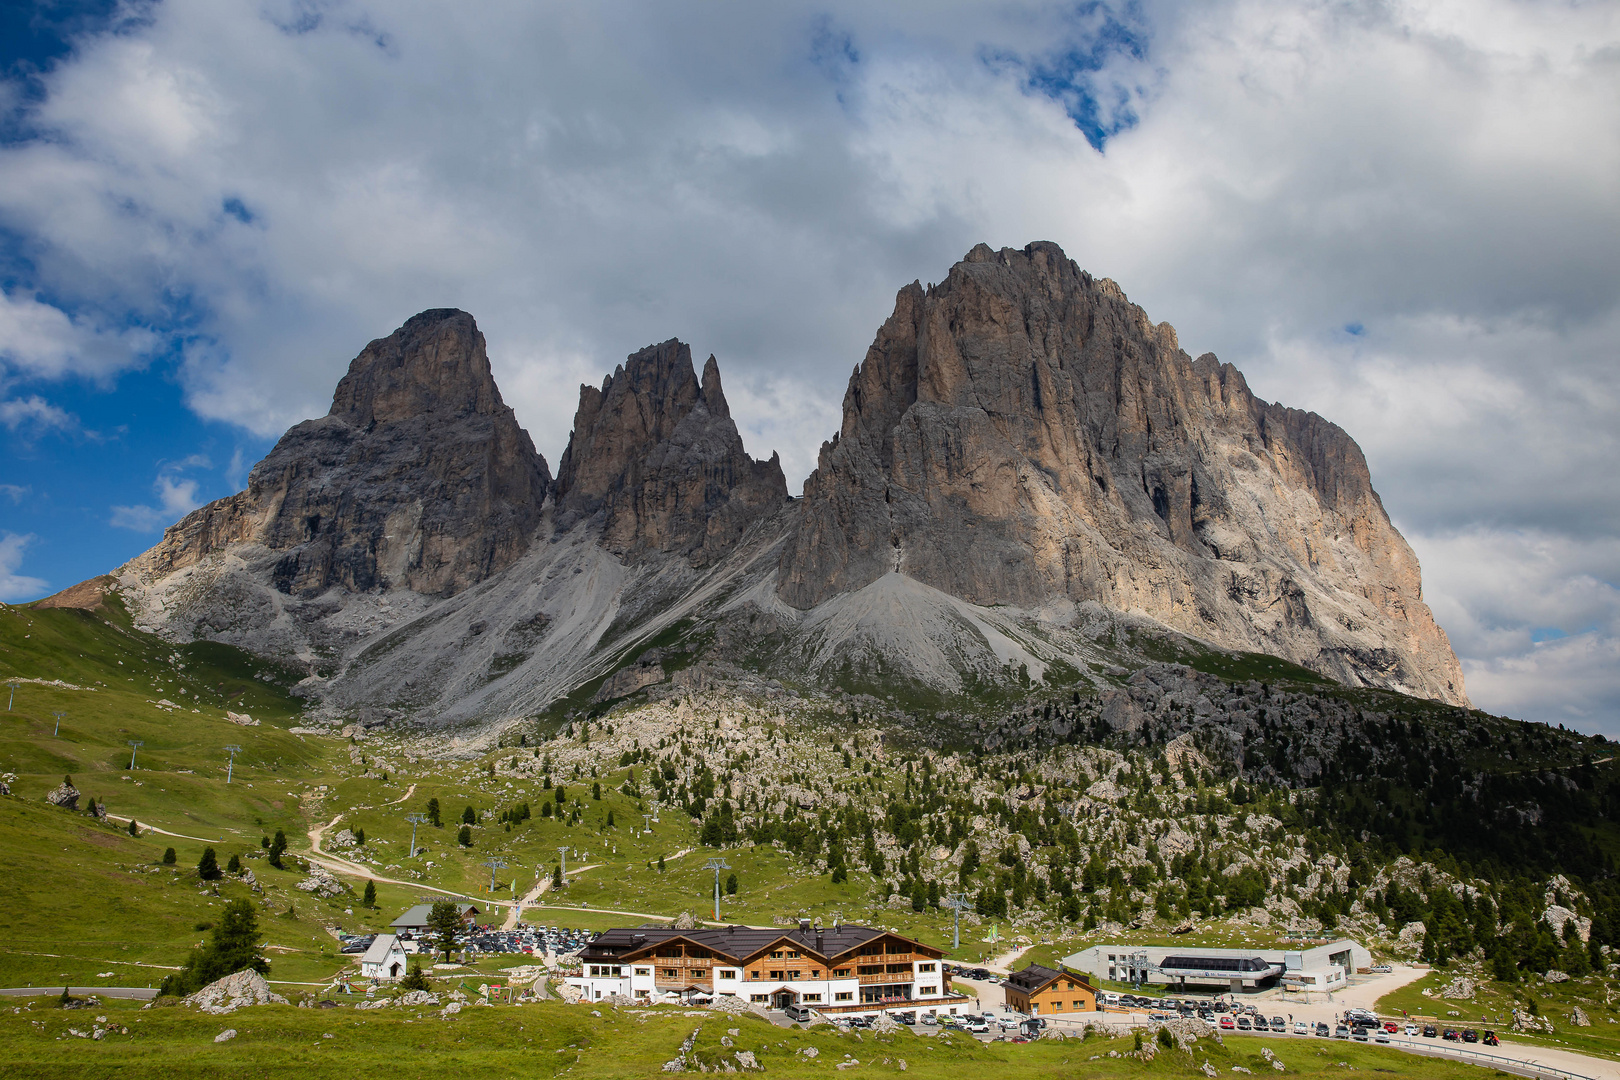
(842, 969)
(1323, 968)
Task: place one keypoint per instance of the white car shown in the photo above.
(1301, 1028)
(977, 1025)
(1411, 1030)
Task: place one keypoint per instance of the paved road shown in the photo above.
(136, 993)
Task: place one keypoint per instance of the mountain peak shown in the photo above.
(1021, 434)
(434, 364)
(658, 455)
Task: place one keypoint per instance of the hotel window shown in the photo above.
(840, 973)
(759, 997)
(844, 996)
(815, 973)
(776, 976)
(754, 974)
(792, 955)
(812, 997)
(725, 973)
(793, 975)
(672, 973)
(643, 971)
(925, 967)
(777, 955)
(927, 990)
(869, 969)
(1079, 1005)
(897, 969)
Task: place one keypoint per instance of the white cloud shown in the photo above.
(177, 497)
(15, 492)
(279, 183)
(34, 415)
(38, 340)
(15, 587)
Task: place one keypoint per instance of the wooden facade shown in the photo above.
(1044, 991)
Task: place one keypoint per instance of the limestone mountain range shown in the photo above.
(1030, 481)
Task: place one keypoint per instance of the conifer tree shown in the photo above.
(208, 865)
(235, 865)
(169, 857)
(370, 897)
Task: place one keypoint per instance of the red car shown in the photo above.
(1228, 1024)
(1392, 1027)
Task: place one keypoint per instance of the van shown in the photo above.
(1111, 998)
(798, 1012)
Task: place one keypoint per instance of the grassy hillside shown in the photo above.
(829, 807)
(552, 1039)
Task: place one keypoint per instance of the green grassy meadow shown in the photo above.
(552, 1039)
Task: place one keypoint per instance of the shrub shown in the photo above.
(169, 857)
(464, 837)
(414, 979)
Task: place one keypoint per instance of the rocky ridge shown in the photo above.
(1031, 480)
(1022, 434)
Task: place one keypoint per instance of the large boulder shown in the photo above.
(64, 795)
(234, 992)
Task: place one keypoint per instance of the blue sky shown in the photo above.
(1402, 216)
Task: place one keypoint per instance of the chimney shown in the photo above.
(804, 926)
(820, 946)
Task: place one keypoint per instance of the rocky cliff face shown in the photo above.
(657, 455)
(419, 477)
(1021, 433)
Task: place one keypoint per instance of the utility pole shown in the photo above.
(415, 820)
(58, 714)
(135, 746)
(232, 750)
(494, 863)
(13, 699)
(564, 871)
(956, 902)
(646, 821)
(717, 865)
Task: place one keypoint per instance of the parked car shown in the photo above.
(802, 1014)
(1279, 1024)
(1412, 1030)
(1341, 1032)
(1360, 1034)
(1429, 1031)
(1244, 1024)
(977, 1025)
(1451, 1036)
(1380, 1035)
(1392, 1027)
(1228, 1024)
(1322, 1031)
(1469, 1035)
(929, 1020)
(1382, 969)
(1491, 1039)
(1301, 1028)
(1158, 1018)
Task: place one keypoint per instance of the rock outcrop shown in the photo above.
(236, 991)
(657, 455)
(418, 477)
(1021, 434)
(64, 795)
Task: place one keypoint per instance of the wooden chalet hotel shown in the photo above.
(833, 970)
